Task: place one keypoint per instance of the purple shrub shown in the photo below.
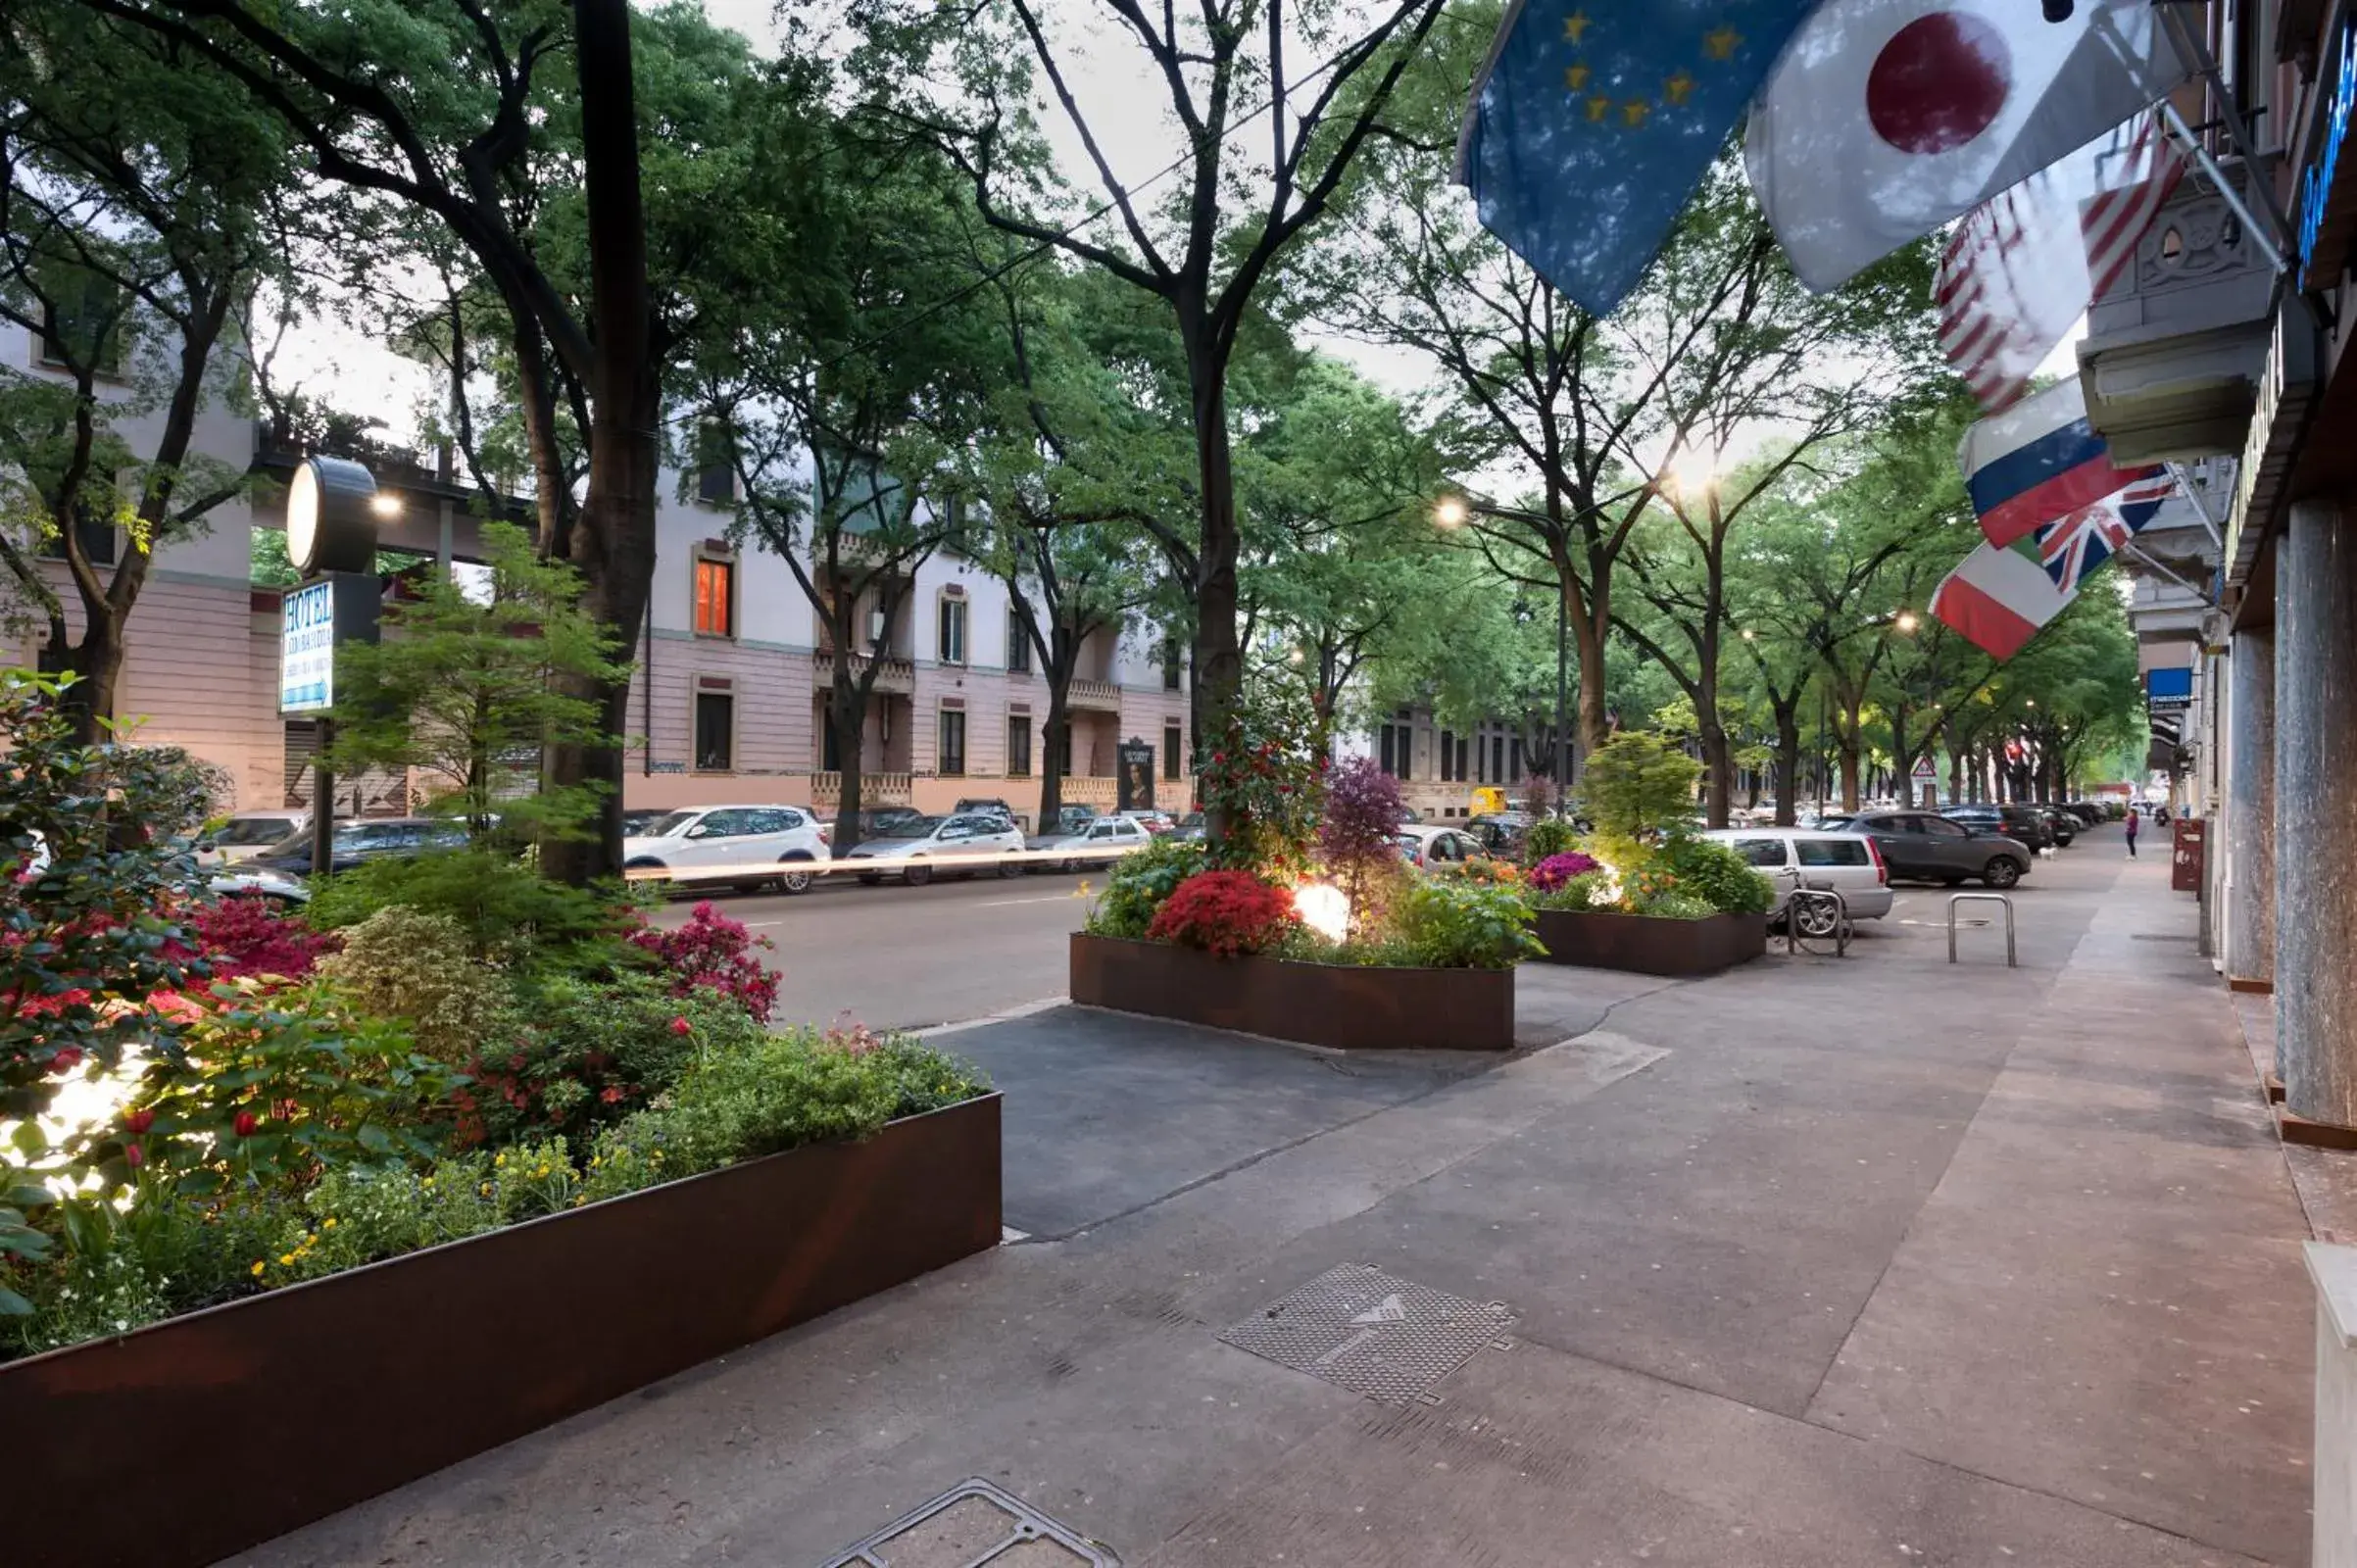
(1355, 837)
(1549, 874)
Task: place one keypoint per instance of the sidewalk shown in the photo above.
(1814, 1264)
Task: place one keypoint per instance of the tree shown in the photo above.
(845, 395)
(1205, 253)
(132, 225)
(446, 108)
(474, 686)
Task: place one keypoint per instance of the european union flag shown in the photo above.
(1596, 119)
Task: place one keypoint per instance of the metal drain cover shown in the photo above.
(1364, 1330)
(975, 1526)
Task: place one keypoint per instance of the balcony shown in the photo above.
(1099, 793)
(875, 789)
(2175, 351)
(897, 674)
(1095, 696)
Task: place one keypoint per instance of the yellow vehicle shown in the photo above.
(1487, 800)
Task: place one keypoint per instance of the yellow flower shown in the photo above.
(428, 1182)
(592, 1162)
(257, 1267)
(486, 1188)
(328, 1223)
(499, 1160)
(286, 1260)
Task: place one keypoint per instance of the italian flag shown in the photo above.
(1999, 597)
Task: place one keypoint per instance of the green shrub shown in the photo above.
(1710, 871)
(1140, 881)
(1455, 924)
(1583, 892)
(1637, 787)
(1549, 836)
(420, 968)
(505, 910)
(1674, 907)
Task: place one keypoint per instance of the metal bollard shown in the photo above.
(1954, 899)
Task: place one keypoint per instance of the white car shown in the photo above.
(1431, 844)
(1099, 839)
(920, 846)
(1846, 862)
(246, 834)
(766, 844)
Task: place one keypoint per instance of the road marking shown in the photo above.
(1001, 904)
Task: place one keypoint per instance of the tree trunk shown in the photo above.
(614, 543)
(847, 711)
(96, 664)
(1788, 763)
(1588, 642)
(1902, 769)
(1218, 660)
(1052, 762)
(1718, 774)
(1848, 745)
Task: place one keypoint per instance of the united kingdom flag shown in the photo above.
(2074, 547)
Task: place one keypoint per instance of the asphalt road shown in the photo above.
(906, 957)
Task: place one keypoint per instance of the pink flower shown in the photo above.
(247, 1124)
(681, 1026)
(175, 1006)
(133, 1157)
(138, 1122)
(67, 1059)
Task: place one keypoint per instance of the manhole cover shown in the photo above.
(1362, 1329)
(975, 1526)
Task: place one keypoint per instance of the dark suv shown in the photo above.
(1928, 846)
(2026, 825)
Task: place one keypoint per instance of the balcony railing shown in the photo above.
(875, 789)
(897, 674)
(1099, 695)
(1101, 793)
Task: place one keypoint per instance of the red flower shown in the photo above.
(67, 1059)
(133, 1157)
(247, 1124)
(1219, 756)
(681, 1026)
(611, 1095)
(138, 1122)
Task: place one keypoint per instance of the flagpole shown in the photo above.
(2184, 133)
(2192, 51)
(2201, 508)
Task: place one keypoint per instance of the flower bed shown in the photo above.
(206, 1434)
(1648, 944)
(1345, 1006)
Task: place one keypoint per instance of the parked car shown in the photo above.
(913, 849)
(1428, 845)
(876, 821)
(2020, 823)
(1096, 842)
(243, 835)
(1846, 862)
(244, 881)
(1191, 829)
(2062, 824)
(361, 841)
(1152, 819)
(636, 821)
(763, 843)
(1498, 832)
(1923, 846)
(982, 804)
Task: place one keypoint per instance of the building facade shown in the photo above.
(730, 688)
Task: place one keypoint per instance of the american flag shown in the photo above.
(2071, 548)
(2018, 271)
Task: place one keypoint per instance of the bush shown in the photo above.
(1553, 873)
(714, 953)
(1357, 838)
(1455, 924)
(246, 936)
(1675, 906)
(1637, 786)
(507, 913)
(1590, 890)
(590, 1054)
(1265, 777)
(420, 968)
(1715, 874)
(1139, 883)
(1230, 913)
(1548, 837)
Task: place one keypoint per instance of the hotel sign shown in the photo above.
(314, 620)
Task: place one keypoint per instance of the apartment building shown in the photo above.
(1440, 767)
(730, 693)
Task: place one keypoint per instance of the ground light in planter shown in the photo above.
(1323, 908)
(1606, 893)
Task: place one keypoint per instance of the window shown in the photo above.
(1498, 761)
(730, 825)
(1018, 643)
(1447, 757)
(1172, 665)
(1018, 748)
(952, 647)
(1832, 851)
(1760, 852)
(1396, 747)
(82, 326)
(1175, 750)
(775, 822)
(1461, 770)
(951, 761)
(715, 731)
(1940, 827)
(97, 541)
(830, 745)
(1519, 771)
(716, 468)
(716, 598)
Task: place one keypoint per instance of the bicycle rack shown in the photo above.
(1954, 899)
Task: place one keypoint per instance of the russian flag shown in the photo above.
(2038, 461)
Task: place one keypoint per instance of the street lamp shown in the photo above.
(1906, 620)
(1450, 512)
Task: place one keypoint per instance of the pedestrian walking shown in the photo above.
(2131, 832)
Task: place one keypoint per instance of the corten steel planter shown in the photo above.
(192, 1439)
(1650, 945)
(1347, 1007)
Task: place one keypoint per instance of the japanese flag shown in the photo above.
(1886, 119)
